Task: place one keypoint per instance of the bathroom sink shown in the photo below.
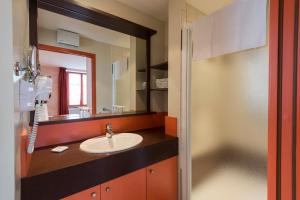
(118, 142)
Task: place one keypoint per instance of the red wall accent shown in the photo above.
(273, 81)
(298, 122)
(171, 126)
(287, 99)
(69, 132)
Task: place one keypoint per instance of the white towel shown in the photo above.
(239, 26)
(202, 37)
(226, 37)
(253, 27)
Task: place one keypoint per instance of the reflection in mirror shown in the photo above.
(94, 69)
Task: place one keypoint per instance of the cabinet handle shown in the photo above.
(93, 194)
(151, 171)
(107, 189)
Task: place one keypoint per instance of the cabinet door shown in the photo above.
(162, 180)
(128, 187)
(89, 194)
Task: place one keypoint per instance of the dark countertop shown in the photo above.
(57, 175)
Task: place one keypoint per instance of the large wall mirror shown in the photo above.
(95, 70)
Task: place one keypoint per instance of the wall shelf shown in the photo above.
(161, 66)
(141, 70)
(159, 89)
(158, 95)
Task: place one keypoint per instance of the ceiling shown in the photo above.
(54, 59)
(209, 6)
(159, 8)
(53, 21)
(155, 8)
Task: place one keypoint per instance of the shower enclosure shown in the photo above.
(224, 124)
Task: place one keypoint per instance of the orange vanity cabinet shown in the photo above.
(131, 186)
(162, 180)
(155, 182)
(89, 194)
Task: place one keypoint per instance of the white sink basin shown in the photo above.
(118, 142)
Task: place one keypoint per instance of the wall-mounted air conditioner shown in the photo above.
(68, 38)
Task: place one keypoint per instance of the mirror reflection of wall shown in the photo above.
(71, 75)
(119, 81)
(141, 62)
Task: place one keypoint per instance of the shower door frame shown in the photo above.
(284, 104)
(185, 159)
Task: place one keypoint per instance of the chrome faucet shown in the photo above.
(109, 132)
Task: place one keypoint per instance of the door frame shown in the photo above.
(185, 160)
(284, 87)
(9, 123)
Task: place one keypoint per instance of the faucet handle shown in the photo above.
(109, 126)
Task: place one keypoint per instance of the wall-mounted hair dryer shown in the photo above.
(43, 90)
(35, 92)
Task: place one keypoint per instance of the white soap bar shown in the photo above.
(59, 149)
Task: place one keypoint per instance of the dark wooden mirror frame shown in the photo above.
(76, 10)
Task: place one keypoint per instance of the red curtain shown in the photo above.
(63, 91)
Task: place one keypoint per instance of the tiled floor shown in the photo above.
(229, 177)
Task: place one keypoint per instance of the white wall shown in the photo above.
(21, 46)
(7, 143)
(132, 65)
(209, 6)
(14, 42)
(122, 93)
(89, 82)
(177, 17)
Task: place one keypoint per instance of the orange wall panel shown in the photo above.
(69, 132)
(171, 126)
(25, 157)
